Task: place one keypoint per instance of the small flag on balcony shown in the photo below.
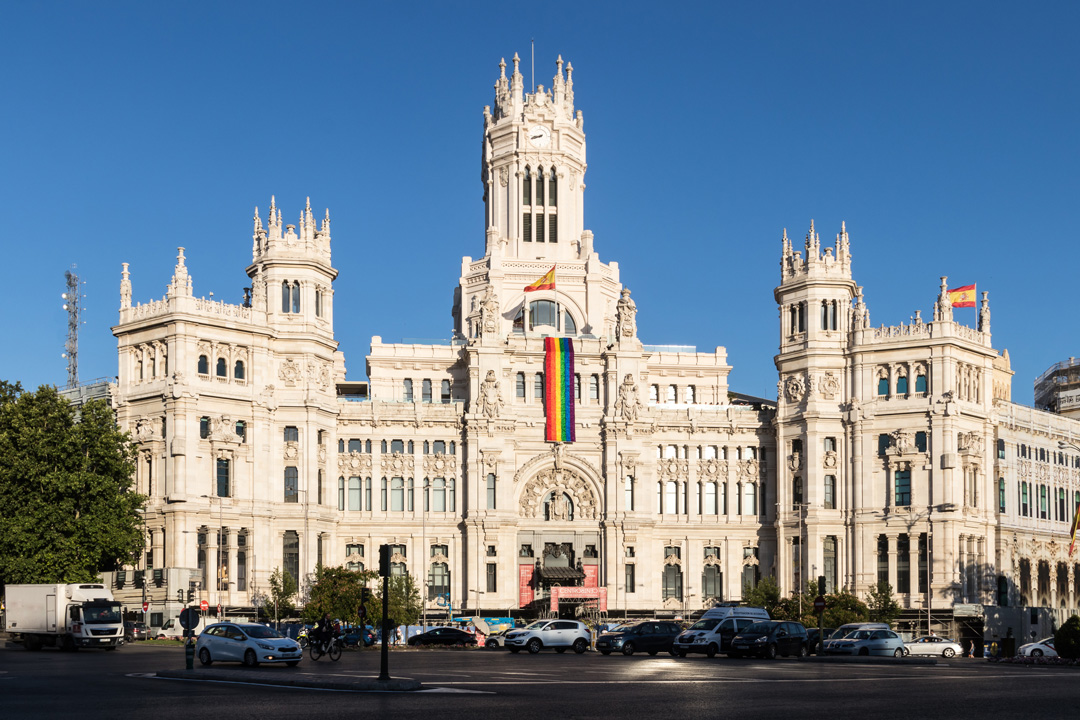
(559, 389)
(962, 296)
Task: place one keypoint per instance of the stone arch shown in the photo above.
(564, 477)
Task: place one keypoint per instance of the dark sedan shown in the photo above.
(135, 631)
(652, 636)
(443, 636)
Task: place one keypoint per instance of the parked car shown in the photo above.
(813, 637)
(770, 638)
(496, 641)
(249, 643)
(557, 634)
(867, 642)
(934, 645)
(354, 636)
(1038, 649)
(135, 631)
(712, 634)
(443, 636)
(651, 636)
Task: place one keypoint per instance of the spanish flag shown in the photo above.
(1076, 524)
(547, 282)
(962, 296)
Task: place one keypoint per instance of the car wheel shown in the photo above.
(534, 646)
(204, 657)
(898, 652)
(292, 663)
(864, 651)
(802, 652)
(680, 653)
(712, 650)
(652, 653)
(514, 650)
(492, 644)
(948, 653)
(770, 651)
(249, 659)
(628, 649)
(580, 646)
(1036, 653)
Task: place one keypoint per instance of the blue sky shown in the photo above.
(944, 134)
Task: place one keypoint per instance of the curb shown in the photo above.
(259, 678)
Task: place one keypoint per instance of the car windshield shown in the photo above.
(705, 624)
(621, 627)
(842, 632)
(536, 625)
(859, 635)
(759, 627)
(101, 614)
(261, 631)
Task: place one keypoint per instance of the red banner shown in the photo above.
(579, 593)
(525, 589)
(592, 573)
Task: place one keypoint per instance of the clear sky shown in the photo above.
(944, 134)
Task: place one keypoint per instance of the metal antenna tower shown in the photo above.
(72, 304)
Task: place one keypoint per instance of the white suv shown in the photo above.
(558, 634)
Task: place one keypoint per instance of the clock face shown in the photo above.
(539, 136)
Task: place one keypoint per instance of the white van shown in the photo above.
(713, 632)
(173, 630)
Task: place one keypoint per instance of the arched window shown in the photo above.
(544, 312)
(241, 430)
(569, 326)
(689, 394)
(238, 370)
(749, 499)
(519, 386)
(594, 388)
(204, 365)
(286, 296)
(222, 368)
(526, 192)
(296, 296)
(654, 393)
(629, 493)
(318, 302)
(553, 193)
(540, 188)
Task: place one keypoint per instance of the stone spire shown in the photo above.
(984, 313)
(181, 280)
(258, 237)
(125, 288)
(943, 306)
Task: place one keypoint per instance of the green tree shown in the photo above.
(67, 510)
(282, 591)
(842, 608)
(766, 594)
(337, 591)
(404, 607)
(1067, 638)
(881, 605)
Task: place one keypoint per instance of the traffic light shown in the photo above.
(180, 596)
(384, 560)
(190, 595)
(365, 598)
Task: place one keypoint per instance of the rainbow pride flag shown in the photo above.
(559, 388)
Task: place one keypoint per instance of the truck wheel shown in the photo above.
(32, 642)
(204, 657)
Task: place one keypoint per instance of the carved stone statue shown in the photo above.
(628, 405)
(489, 400)
(489, 313)
(625, 310)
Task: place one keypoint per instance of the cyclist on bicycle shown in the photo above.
(324, 631)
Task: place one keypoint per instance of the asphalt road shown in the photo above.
(495, 684)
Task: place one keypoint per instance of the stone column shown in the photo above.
(892, 561)
(913, 566)
(232, 549)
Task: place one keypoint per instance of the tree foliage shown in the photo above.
(404, 607)
(1067, 638)
(338, 591)
(766, 594)
(67, 510)
(842, 608)
(883, 608)
(282, 591)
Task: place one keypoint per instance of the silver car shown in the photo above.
(867, 642)
(248, 643)
(558, 634)
(934, 645)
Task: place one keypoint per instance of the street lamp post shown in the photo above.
(142, 514)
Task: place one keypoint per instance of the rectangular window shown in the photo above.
(538, 386)
(367, 495)
(903, 564)
(291, 555)
(830, 444)
(553, 226)
(492, 578)
(830, 492)
(204, 427)
(1001, 495)
(710, 499)
(408, 391)
(292, 486)
(320, 481)
(526, 227)
(223, 478)
(438, 447)
(397, 446)
(341, 493)
(920, 441)
(491, 491)
(594, 387)
(631, 585)
(382, 498)
(883, 559)
(902, 482)
(354, 494)
(577, 387)
(292, 434)
(540, 222)
(883, 441)
(519, 386)
(922, 562)
(829, 558)
(397, 494)
(426, 391)
(445, 396)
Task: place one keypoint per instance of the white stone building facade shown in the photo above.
(881, 458)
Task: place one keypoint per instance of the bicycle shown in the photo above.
(332, 647)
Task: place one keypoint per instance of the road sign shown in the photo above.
(145, 606)
(189, 618)
(819, 604)
(204, 606)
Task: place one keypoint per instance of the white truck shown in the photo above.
(69, 616)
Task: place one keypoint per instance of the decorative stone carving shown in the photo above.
(902, 440)
(559, 483)
(712, 469)
(795, 461)
(672, 468)
(292, 451)
(398, 464)
(628, 405)
(490, 399)
(750, 468)
(830, 386)
(504, 176)
(489, 312)
(354, 463)
(673, 560)
(144, 429)
(440, 465)
(829, 461)
(711, 559)
(625, 310)
(290, 372)
(971, 442)
(794, 388)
